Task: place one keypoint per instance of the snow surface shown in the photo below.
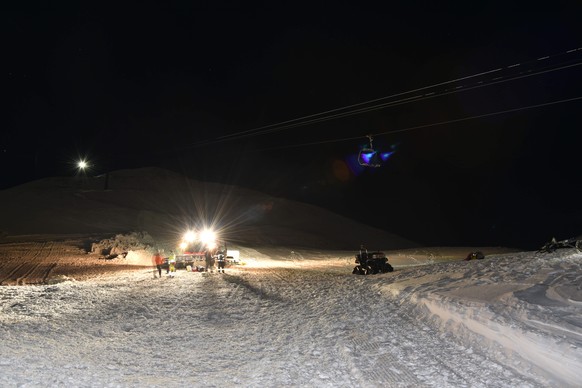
(293, 315)
(304, 320)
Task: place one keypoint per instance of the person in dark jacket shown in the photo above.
(209, 261)
(221, 260)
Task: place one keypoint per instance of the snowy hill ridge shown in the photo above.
(164, 203)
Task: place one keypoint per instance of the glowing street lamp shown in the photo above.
(82, 165)
(82, 168)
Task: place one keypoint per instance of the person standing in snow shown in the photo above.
(209, 260)
(158, 262)
(221, 260)
(363, 252)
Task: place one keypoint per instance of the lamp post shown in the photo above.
(82, 167)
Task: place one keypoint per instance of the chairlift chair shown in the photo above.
(369, 157)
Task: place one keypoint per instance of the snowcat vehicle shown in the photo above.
(195, 245)
(369, 263)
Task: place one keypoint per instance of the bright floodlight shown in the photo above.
(190, 236)
(82, 164)
(211, 245)
(183, 245)
(207, 237)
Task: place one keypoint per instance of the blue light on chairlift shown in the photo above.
(367, 156)
(385, 155)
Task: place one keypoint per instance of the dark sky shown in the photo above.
(156, 86)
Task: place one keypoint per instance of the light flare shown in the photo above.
(190, 236)
(207, 237)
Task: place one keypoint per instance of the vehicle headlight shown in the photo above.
(190, 236)
(208, 237)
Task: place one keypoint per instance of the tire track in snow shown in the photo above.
(11, 271)
(13, 268)
(33, 267)
(284, 339)
(311, 292)
(406, 345)
(452, 361)
(364, 346)
(39, 268)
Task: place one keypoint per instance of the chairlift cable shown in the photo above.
(521, 64)
(339, 140)
(291, 124)
(416, 98)
(378, 107)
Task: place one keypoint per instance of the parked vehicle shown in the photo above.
(369, 263)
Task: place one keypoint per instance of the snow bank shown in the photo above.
(525, 308)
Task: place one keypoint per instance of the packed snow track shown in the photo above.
(294, 322)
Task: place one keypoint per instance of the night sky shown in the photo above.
(492, 158)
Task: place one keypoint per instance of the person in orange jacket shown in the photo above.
(158, 262)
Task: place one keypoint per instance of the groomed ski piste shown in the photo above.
(300, 318)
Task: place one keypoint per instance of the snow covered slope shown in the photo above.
(164, 203)
(301, 319)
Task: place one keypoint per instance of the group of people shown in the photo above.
(211, 258)
(159, 262)
(218, 258)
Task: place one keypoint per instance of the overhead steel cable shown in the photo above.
(408, 92)
(317, 116)
(407, 100)
(375, 107)
(338, 140)
(355, 105)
